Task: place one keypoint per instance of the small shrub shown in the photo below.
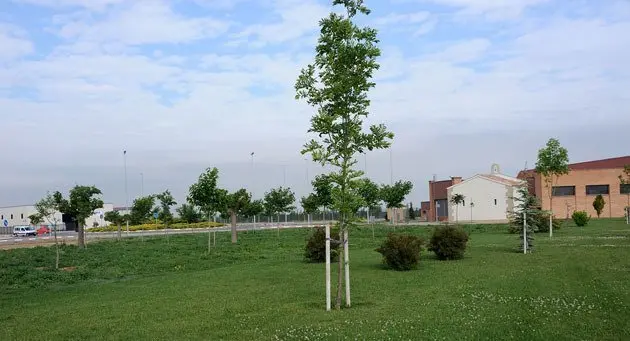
(448, 242)
(315, 250)
(542, 223)
(580, 218)
(401, 252)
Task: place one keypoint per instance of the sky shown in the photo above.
(183, 85)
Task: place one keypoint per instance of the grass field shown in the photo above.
(575, 286)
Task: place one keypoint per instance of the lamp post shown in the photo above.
(126, 187)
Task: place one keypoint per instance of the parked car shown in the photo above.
(22, 231)
(43, 230)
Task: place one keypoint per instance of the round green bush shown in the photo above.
(448, 242)
(401, 252)
(580, 218)
(315, 250)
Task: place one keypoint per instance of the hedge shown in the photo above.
(152, 227)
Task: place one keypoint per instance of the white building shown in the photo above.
(487, 197)
(18, 215)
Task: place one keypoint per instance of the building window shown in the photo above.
(22, 216)
(562, 191)
(597, 189)
(11, 216)
(495, 202)
(463, 202)
(2, 217)
(624, 188)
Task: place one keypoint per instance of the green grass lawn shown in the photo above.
(575, 286)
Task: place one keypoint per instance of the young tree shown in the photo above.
(35, 219)
(279, 200)
(142, 210)
(369, 192)
(188, 213)
(166, 201)
(553, 161)
(310, 204)
(394, 195)
(81, 203)
(456, 200)
(116, 218)
(322, 186)
(529, 204)
(47, 209)
(205, 194)
(255, 208)
(235, 203)
(337, 85)
(598, 204)
(412, 212)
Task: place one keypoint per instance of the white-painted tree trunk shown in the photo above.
(346, 255)
(551, 225)
(328, 303)
(525, 232)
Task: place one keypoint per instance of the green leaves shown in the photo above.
(457, 198)
(237, 202)
(394, 195)
(48, 206)
(279, 200)
(369, 191)
(205, 194)
(553, 159)
(336, 84)
(310, 203)
(166, 201)
(81, 203)
(114, 217)
(142, 210)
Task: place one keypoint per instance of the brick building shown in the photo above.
(438, 198)
(577, 190)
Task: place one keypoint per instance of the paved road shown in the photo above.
(9, 241)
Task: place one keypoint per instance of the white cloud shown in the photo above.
(297, 19)
(403, 18)
(494, 9)
(12, 43)
(90, 4)
(142, 23)
(141, 76)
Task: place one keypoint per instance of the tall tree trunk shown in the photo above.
(81, 236)
(233, 219)
(339, 271)
(119, 231)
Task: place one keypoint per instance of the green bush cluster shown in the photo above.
(159, 226)
(315, 250)
(539, 223)
(580, 218)
(448, 242)
(401, 252)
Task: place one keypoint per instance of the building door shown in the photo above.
(442, 208)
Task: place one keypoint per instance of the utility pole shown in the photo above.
(126, 188)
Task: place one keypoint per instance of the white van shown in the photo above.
(22, 231)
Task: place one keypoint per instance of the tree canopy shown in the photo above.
(394, 195)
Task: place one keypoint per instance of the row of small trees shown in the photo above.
(366, 193)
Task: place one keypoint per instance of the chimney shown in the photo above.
(456, 179)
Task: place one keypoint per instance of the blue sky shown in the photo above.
(184, 85)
